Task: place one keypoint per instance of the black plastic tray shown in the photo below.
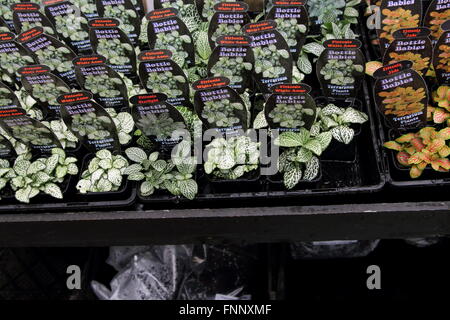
(396, 175)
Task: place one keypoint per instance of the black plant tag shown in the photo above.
(411, 44)
(126, 12)
(8, 46)
(340, 68)
(159, 74)
(228, 19)
(220, 107)
(233, 58)
(102, 81)
(292, 22)
(437, 13)
(29, 131)
(37, 43)
(89, 122)
(441, 55)
(71, 24)
(395, 15)
(290, 107)
(158, 120)
(44, 87)
(273, 62)
(7, 150)
(112, 43)
(401, 95)
(167, 31)
(26, 15)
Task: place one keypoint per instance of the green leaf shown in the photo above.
(35, 167)
(53, 190)
(115, 177)
(188, 188)
(136, 154)
(260, 121)
(21, 167)
(72, 169)
(132, 169)
(324, 139)
(343, 134)
(136, 176)
(304, 64)
(51, 163)
(303, 155)
(292, 177)
(315, 146)
(311, 169)
(351, 12)
(314, 48)
(354, 116)
(23, 195)
(159, 165)
(292, 139)
(104, 154)
(315, 129)
(146, 189)
(61, 171)
(187, 166)
(331, 109)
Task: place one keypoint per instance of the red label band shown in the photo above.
(34, 69)
(74, 97)
(262, 26)
(148, 98)
(209, 83)
(25, 6)
(291, 88)
(89, 60)
(231, 7)
(104, 23)
(149, 55)
(342, 44)
(30, 34)
(234, 40)
(161, 14)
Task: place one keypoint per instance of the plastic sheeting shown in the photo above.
(185, 272)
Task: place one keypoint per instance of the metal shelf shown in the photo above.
(258, 224)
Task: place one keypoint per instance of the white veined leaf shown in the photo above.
(136, 176)
(159, 165)
(104, 154)
(126, 121)
(93, 165)
(105, 164)
(36, 166)
(292, 139)
(119, 163)
(61, 171)
(132, 169)
(315, 129)
(188, 188)
(324, 139)
(96, 175)
(23, 195)
(153, 156)
(349, 34)
(51, 163)
(72, 169)
(303, 155)
(33, 193)
(146, 189)
(351, 12)
(124, 137)
(136, 154)
(21, 167)
(104, 185)
(331, 109)
(311, 169)
(314, 146)
(343, 134)
(314, 48)
(292, 177)
(260, 121)
(353, 3)
(115, 177)
(354, 116)
(226, 160)
(53, 190)
(209, 167)
(304, 64)
(187, 166)
(329, 17)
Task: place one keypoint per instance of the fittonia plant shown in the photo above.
(5, 173)
(290, 115)
(268, 61)
(232, 68)
(123, 14)
(165, 82)
(221, 113)
(19, 147)
(29, 104)
(91, 125)
(114, 50)
(12, 61)
(5, 10)
(48, 92)
(158, 174)
(29, 178)
(88, 7)
(103, 85)
(70, 26)
(300, 159)
(231, 158)
(288, 29)
(340, 72)
(208, 7)
(186, 11)
(54, 58)
(160, 125)
(31, 134)
(338, 120)
(226, 29)
(124, 124)
(4, 101)
(173, 41)
(103, 174)
(329, 10)
(27, 25)
(64, 135)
